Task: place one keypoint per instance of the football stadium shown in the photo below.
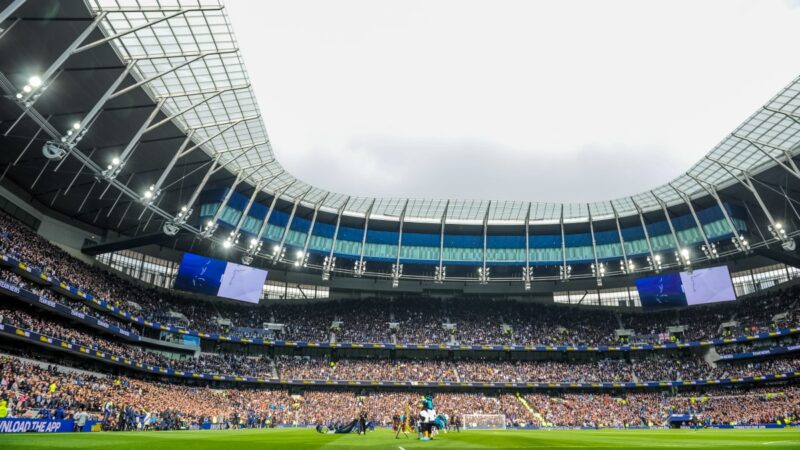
(478, 224)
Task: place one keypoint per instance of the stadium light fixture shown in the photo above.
(741, 243)
(35, 81)
(599, 271)
(209, 229)
(397, 272)
(778, 231)
(328, 264)
(150, 195)
(359, 268)
(254, 246)
(655, 263)
(26, 88)
(301, 258)
(439, 274)
(565, 272)
(710, 250)
(627, 268)
(527, 276)
(684, 257)
(231, 240)
(483, 275)
(113, 169)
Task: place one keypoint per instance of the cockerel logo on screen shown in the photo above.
(200, 281)
(661, 295)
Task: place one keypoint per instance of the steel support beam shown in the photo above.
(276, 257)
(598, 274)
(168, 71)
(791, 116)
(171, 164)
(527, 236)
(625, 260)
(235, 234)
(441, 241)
(400, 236)
(191, 107)
(311, 228)
(484, 274)
(697, 222)
(669, 221)
(123, 157)
(98, 42)
(789, 165)
(563, 244)
(712, 191)
(10, 9)
(119, 196)
(263, 228)
(211, 226)
(91, 116)
(527, 274)
(329, 264)
(646, 233)
(359, 268)
(62, 58)
(790, 201)
(745, 181)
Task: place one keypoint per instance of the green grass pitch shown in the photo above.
(300, 439)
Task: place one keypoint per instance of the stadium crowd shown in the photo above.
(658, 367)
(419, 320)
(204, 362)
(33, 389)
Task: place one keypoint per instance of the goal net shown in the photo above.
(484, 422)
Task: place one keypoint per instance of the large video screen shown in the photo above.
(661, 291)
(708, 286)
(697, 287)
(210, 276)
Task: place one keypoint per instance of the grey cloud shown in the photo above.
(449, 169)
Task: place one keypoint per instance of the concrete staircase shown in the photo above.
(537, 418)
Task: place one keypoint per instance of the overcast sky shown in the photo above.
(553, 101)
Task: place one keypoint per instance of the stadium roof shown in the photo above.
(186, 52)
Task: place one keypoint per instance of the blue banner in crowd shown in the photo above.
(64, 310)
(36, 426)
(759, 353)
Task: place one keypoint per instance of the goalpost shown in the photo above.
(484, 422)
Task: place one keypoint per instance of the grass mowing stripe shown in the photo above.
(302, 439)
